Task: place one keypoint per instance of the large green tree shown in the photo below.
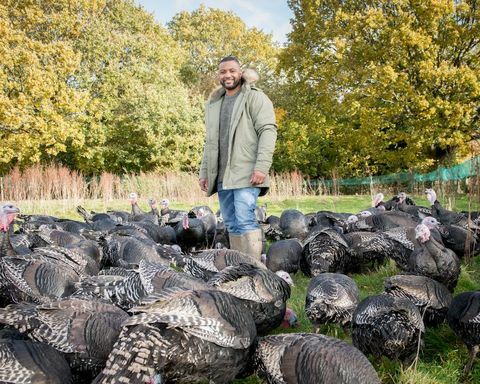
(208, 34)
(380, 86)
(140, 116)
(95, 85)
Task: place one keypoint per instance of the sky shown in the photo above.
(271, 16)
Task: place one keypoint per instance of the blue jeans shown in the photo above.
(238, 208)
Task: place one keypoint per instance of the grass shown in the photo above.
(442, 359)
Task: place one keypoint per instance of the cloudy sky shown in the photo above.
(271, 16)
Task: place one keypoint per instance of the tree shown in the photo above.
(385, 85)
(38, 107)
(94, 85)
(209, 34)
(139, 116)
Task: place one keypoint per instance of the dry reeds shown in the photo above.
(54, 182)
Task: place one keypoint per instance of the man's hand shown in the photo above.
(257, 177)
(203, 183)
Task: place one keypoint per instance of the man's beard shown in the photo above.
(230, 87)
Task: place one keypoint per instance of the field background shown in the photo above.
(443, 355)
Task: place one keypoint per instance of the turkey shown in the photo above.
(284, 255)
(26, 361)
(384, 221)
(127, 288)
(407, 205)
(191, 233)
(404, 243)
(271, 228)
(206, 215)
(184, 337)
(85, 330)
(378, 202)
(264, 293)
(47, 273)
(168, 215)
(430, 297)
(127, 252)
(206, 264)
(325, 251)
(293, 223)
(462, 241)
(88, 250)
(434, 260)
(311, 359)
(328, 219)
(463, 317)
(448, 217)
(388, 326)
(369, 248)
(98, 221)
(8, 211)
(331, 298)
(138, 214)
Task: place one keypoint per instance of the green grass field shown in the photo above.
(443, 355)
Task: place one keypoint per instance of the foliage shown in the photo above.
(94, 84)
(382, 86)
(209, 34)
(37, 105)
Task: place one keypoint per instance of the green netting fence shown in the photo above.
(461, 171)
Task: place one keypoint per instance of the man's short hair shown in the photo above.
(229, 58)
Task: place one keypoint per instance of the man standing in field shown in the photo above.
(239, 145)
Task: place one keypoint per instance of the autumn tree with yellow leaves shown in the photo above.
(94, 85)
(379, 86)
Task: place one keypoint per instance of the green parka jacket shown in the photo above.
(251, 141)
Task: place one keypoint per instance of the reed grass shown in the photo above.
(55, 182)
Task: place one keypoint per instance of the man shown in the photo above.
(241, 135)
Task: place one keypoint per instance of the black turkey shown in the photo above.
(331, 298)
(46, 274)
(431, 297)
(127, 252)
(26, 361)
(434, 260)
(325, 251)
(271, 228)
(184, 337)
(84, 330)
(462, 241)
(98, 221)
(293, 223)
(311, 359)
(369, 249)
(138, 214)
(388, 326)
(328, 219)
(8, 211)
(378, 202)
(127, 288)
(206, 264)
(407, 205)
(448, 217)
(264, 293)
(384, 221)
(284, 255)
(191, 233)
(463, 317)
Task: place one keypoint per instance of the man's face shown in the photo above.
(230, 74)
